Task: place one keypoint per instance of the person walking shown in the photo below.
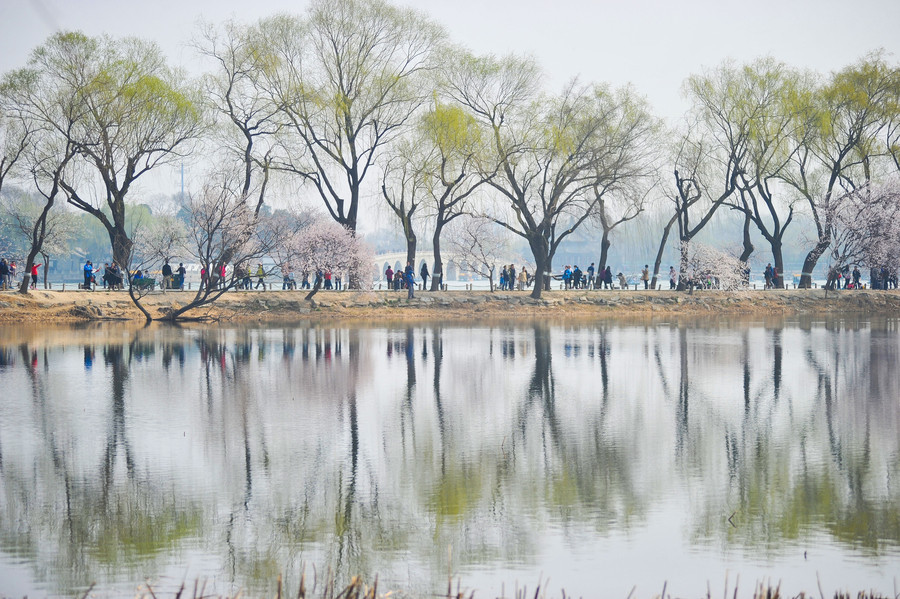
(423, 272)
(673, 278)
(34, 275)
(410, 280)
(261, 273)
(179, 278)
(4, 274)
(167, 275)
(645, 276)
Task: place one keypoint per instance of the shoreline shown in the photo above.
(49, 306)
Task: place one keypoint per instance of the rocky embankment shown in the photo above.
(287, 306)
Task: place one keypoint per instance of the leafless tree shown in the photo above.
(248, 121)
(222, 228)
(40, 224)
(705, 175)
(45, 159)
(403, 188)
(479, 244)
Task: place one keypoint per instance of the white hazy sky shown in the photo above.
(653, 44)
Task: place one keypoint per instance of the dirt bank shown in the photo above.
(289, 306)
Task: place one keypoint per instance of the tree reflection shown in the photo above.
(272, 448)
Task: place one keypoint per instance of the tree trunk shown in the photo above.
(779, 264)
(46, 260)
(411, 250)
(540, 278)
(437, 268)
(543, 261)
(121, 247)
(748, 243)
(747, 251)
(137, 300)
(683, 249)
(809, 264)
(661, 250)
(26, 277)
(315, 288)
(604, 251)
(37, 242)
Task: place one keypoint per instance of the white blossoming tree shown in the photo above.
(709, 267)
(325, 245)
(866, 228)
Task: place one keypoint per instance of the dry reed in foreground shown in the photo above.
(357, 589)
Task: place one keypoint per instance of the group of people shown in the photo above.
(8, 271)
(772, 277)
(510, 281)
(575, 278)
(883, 278)
(844, 278)
(244, 275)
(406, 278)
(172, 279)
(113, 276)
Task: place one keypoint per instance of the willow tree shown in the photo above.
(434, 168)
(126, 111)
(346, 79)
(451, 146)
(757, 114)
(846, 115)
(553, 158)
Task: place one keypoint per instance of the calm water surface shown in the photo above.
(599, 456)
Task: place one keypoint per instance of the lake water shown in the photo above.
(591, 457)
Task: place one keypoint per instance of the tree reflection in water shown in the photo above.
(239, 453)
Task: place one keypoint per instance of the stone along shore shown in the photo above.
(287, 306)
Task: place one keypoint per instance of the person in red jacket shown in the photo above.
(34, 275)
